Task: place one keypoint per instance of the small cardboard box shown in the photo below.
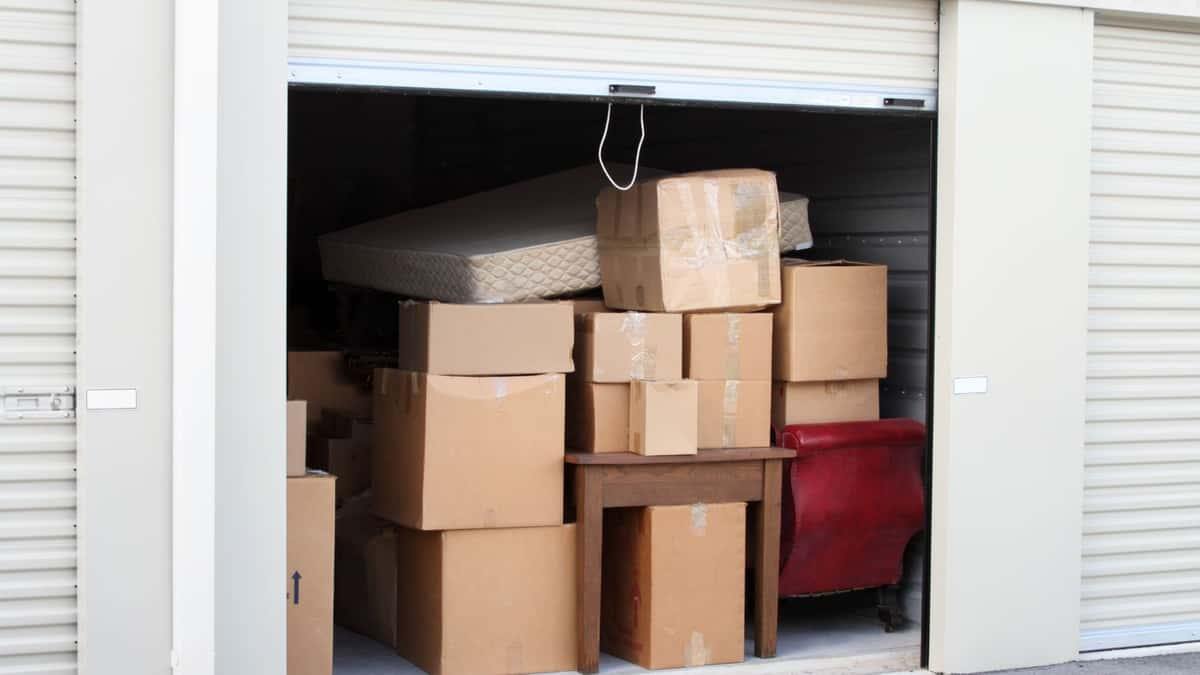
(832, 324)
(320, 379)
(347, 458)
(297, 419)
(817, 402)
(734, 414)
(727, 346)
(597, 416)
(468, 452)
(626, 346)
(673, 585)
(484, 339)
(662, 417)
(488, 602)
(697, 241)
(365, 595)
(310, 574)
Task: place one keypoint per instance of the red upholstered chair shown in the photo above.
(852, 500)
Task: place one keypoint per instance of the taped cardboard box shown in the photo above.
(486, 339)
(626, 346)
(320, 378)
(468, 452)
(818, 402)
(662, 417)
(673, 585)
(310, 505)
(832, 324)
(698, 241)
(365, 572)
(727, 346)
(346, 458)
(488, 602)
(297, 418)
(734, 414)
(597, 416)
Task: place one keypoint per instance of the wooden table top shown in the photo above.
(719, 455)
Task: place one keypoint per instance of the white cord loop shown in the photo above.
(636, 158)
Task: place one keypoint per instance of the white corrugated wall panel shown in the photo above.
(889, 44)
(37, 333)
(1141, 546)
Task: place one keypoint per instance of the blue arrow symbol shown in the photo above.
(296, 587)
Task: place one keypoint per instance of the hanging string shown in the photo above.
(636, 158)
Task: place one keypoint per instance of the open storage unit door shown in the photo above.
(872, 54)
(37, 338)
(1141, 565)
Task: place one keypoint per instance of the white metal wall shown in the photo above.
(843, 51)
(37, 333)
(1141, 549)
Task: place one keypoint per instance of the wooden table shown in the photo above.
(752, 475)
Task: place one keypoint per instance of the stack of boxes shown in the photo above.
(729, 356)
(468, 460)
(830, 342)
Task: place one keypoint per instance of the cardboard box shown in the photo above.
(597, 416)
(734, 414)
(500, 339)
(320, 379)
(488, 602)
(817, 402)
(365, 595)
(832, 324)
(626, 346)
(662, 417)
(673, 585)
(468, 452)
(589, 305)
(297, 418)
(697, 241)
(310, 574)
(727, 346)
(347, 458)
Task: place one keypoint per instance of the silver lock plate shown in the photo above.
(23, 403)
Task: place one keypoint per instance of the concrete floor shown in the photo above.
(1166, 664)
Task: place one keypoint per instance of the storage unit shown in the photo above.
(37, 338)
(1141, 546)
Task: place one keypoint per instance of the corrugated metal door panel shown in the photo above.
(1141, 539)
(37, 334)
(872, 43)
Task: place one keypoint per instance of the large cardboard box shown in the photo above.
(320, 379)
(468, 452)
(488, 602)
(832, 324)
(673, 585)
(365, 573)
(310, 574)
(662, 417)
(485, 339)
(626, 346)
(728, 346)
(817, 402)
(297, 419)
(597, 416)
(698, 241)
(734, 414)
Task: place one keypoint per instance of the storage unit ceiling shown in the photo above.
(874, 54)
(1141, 544)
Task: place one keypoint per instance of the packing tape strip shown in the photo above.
(695, 653)
(500, 387)
(643, 360)
(729, 418)
(733, 356)
(699, 518)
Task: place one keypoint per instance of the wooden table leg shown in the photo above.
(589, 531)
(766, 568)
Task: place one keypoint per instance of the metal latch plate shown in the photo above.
(38, 403)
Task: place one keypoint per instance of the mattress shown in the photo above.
(533, 239)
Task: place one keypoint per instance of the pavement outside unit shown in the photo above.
(1163, 664)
